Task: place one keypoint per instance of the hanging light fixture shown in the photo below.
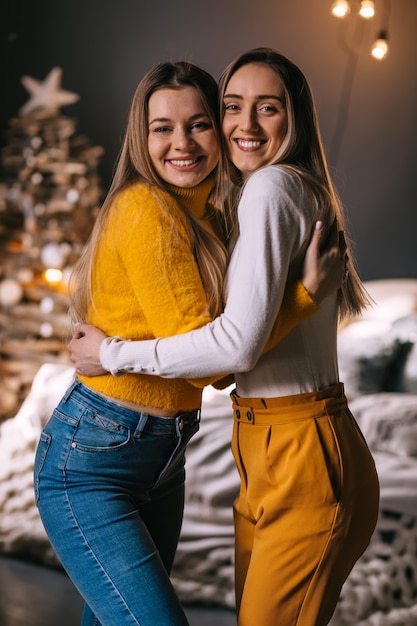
(367, 9)
(379, 48)
(340, 8)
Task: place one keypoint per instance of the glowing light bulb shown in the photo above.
(53, 275)
(367, 9)
(340, 8)
(380, 47)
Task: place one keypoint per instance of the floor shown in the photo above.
(33, 595)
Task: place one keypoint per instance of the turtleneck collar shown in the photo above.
(195, 198)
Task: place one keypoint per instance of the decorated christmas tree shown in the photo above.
(49, 197)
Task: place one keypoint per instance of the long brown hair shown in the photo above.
(302, 152)
(134, 164)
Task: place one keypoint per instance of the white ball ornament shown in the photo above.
(73, 196)
(36, 178)
(11, 292)
(46, 330)
(36, 143)
(51, 255)
(47, 305)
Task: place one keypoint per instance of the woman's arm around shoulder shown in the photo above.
(322, 274)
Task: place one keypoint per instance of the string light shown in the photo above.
(380, 47)
(367, 9)
(53, 275)
(340, 8)
(350, 40)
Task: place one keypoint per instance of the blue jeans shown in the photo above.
(109, 486)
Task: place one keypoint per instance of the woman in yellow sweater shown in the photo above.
(109, 468)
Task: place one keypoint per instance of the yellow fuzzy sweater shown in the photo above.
(146, 284)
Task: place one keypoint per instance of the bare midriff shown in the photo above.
(141, 408)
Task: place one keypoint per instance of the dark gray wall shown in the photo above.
(104, 47)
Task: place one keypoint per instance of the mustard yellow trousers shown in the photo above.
(307, 506)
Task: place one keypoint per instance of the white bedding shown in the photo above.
(398, 482)
(203, 570)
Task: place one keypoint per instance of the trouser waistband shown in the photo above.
(285, 408)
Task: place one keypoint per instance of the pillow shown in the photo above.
(371, 358)
(409, 378)
(406, 329)
(393, 297)
(388, 422)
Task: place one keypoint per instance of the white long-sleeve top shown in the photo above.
(276, 214)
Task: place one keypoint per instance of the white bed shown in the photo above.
(378, 359)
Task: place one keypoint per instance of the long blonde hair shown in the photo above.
(134, 164)
(302, 153)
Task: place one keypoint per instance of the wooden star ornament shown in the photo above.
(46, 96)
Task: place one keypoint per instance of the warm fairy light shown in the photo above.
(380, 48)
(53, 275)
(340, 8)
(367, 9)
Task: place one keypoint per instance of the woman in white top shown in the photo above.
(309, 492)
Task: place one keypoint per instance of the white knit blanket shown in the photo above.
(381, 590)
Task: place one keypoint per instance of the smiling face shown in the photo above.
(255, 116)
(182, 142)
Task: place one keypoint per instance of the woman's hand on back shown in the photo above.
(324, 270)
